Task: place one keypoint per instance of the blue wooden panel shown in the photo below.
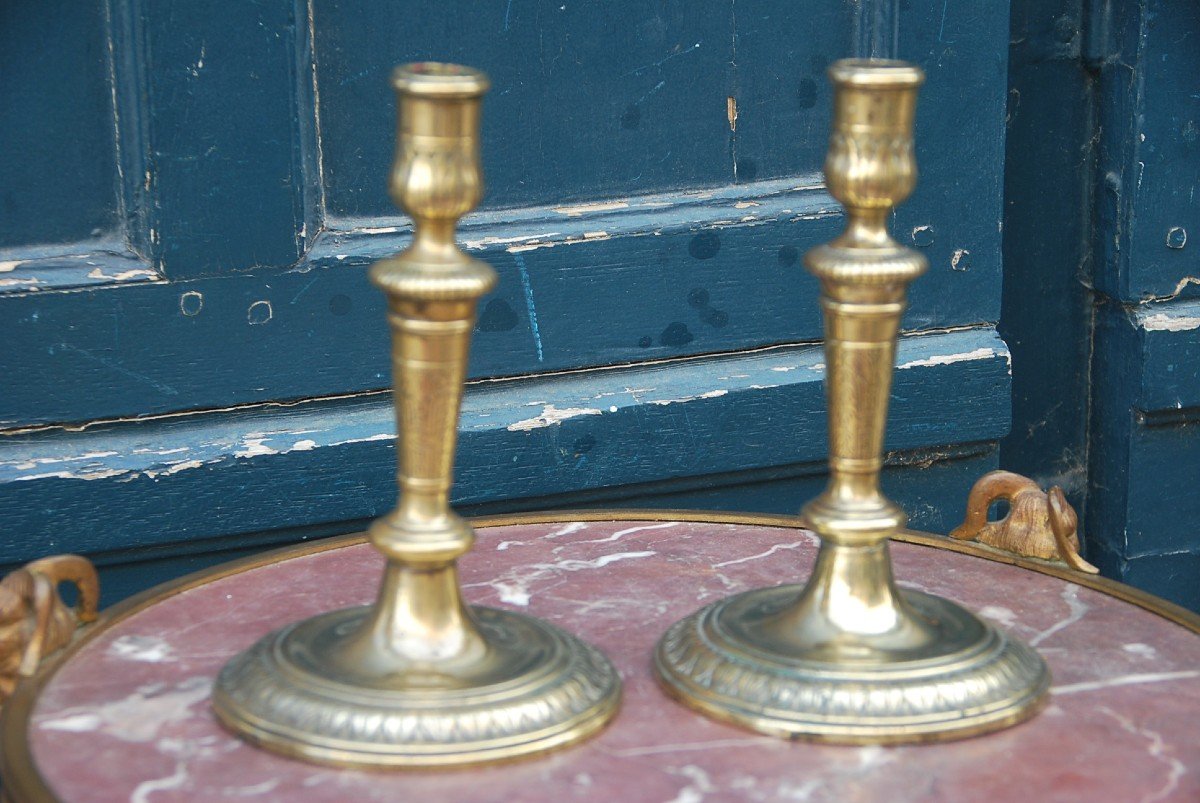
(1149, 126)
(1169, 335)
(234, 195)
(1164, 464)
(1046, 311)
(58, 166)
(225, 164)
(664, 276)
(590, 99)
(1170, 576)
(200, 477)
(1167, 151)
(1145, 449)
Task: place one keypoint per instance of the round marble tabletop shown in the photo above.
(125, 714)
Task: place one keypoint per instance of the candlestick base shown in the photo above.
(533, 688)
(735, 662)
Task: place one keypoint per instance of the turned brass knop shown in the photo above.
(422, 679)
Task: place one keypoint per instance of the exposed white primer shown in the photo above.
(123, 276)
(174, 468)
(1162, 322)
(551, 415)
(583, 209)
(712, 394)
(949, 359)
(477, 245)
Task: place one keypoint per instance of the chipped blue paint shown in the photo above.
(248, 181)
(225, 474)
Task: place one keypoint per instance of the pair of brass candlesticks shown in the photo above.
(420, 679)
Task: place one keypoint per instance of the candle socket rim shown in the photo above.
(875, 74)
(436, 79)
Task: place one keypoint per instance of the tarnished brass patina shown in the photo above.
(421, 679)
(849, 657)
(34, 620)
(1039, 524)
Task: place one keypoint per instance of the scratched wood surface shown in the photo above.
(194, 362)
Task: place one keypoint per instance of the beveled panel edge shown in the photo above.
(22, 783)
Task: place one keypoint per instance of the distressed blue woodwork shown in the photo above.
(1146, 447)
(246, 158)
(1144, 451)
(194, 478)
(207, 373)
(653, 290)
(1046, 313)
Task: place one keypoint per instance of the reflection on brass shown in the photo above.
(849, 657)
(1039, 524)
(421, 679)
(34, 621)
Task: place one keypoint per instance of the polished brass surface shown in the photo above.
(1039, 524)
(34, 620)
(849, 657)
(421, 679)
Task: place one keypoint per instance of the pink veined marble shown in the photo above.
(128, 718)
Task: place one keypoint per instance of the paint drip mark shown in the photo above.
(527, 289)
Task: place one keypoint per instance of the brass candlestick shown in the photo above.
(421, 679)
(849, 657)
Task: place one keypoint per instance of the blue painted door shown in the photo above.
(196, 365)
(1101, 300)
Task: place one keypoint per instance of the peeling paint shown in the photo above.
(379, 229)
(583, 209)
(712, 394)
(551, 415)
(949, 359)
(1184, 282)
(478, 245)
(123, 276)
(29, 282)
(1163, 322)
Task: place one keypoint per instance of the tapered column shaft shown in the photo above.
(432, 291)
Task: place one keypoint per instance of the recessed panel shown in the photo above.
(589, 100)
